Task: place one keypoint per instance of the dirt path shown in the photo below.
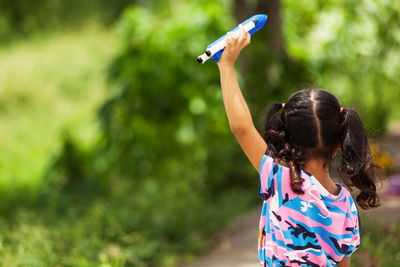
(236, 246)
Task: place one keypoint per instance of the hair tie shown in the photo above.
(341, 110)
(283, 105)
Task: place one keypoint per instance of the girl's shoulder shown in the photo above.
(275, 181)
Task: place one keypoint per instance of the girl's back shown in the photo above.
(316, 228)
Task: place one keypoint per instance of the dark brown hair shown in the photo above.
(313, 125)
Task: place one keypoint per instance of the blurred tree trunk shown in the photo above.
(270, 74)
(272, 29)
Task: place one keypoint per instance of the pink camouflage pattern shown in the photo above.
(307, 229)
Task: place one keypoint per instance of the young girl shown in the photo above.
(306, 219)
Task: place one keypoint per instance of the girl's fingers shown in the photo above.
(230, 42)
(229, 38)
(248, 38)
(242, 30)
(239, 39)
(234, 36)
(243, 34)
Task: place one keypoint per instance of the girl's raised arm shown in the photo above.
(237, 111)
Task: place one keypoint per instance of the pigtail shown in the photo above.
(278, 147)
(274, 131)
(357, 168)
(294, 166)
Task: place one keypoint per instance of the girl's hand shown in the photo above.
(234, 44)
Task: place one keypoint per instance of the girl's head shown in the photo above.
(313, 125)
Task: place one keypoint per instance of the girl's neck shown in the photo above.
(321, 173)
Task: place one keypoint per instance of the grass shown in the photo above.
(47, 84)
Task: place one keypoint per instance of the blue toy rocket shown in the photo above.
(215, 49)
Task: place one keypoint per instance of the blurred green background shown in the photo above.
(115, 147)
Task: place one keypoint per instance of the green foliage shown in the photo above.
(160, 179)
(168, 121)
(379, 244)
(38, 99)
(168, 112)
(352, 49)
(24, 17)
